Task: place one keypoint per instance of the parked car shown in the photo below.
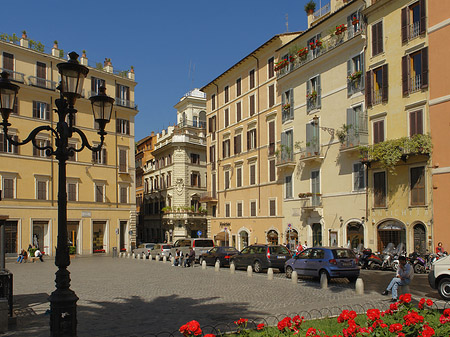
(331, 261)
(144, 248)
(221, 254)
(160, 249)
(439, 277)
(200, 246)
(261, 257)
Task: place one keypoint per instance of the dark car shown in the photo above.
(331, 261)
(221, 254)
(261, 257)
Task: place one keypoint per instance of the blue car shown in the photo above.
(331, 261)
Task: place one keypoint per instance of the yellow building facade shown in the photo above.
(100, 187)
(399, 175)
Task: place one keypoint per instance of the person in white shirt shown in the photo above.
(305, 246)
(405, 274)
(38, 254)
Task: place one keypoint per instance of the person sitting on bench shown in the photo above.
(405, 274)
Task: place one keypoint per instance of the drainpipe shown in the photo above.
(51, 139)
(258, 145)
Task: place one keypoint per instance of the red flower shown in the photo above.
(346, 315)
(412, 318)
(191, 328)
(429, 302)
(395, 327)
(284, 323)
(405, 298)
(209, 335)
(258, 327)
(311, 332)
(421, 303)
(241, 321)
(427, 331)
(373, 314)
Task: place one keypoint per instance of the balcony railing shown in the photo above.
(326, 44)
(193, 124)
(310, 203)
(377, 96)
(208, 196)
(321, 12)
(313, 103)
(14, 75)
(287, 114)
(285, 158)
(126, 103)
(357, 133)
(311, 151)
(415, 83)
(42, 83)
(414, 30)
(356, 85)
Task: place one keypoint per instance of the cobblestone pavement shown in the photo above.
(125, 297)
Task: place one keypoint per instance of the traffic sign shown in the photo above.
(199, 233)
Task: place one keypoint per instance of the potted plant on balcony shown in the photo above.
(167, 209)
(342, 133)
(319, 43)
(340, 29)
(310, 7)
(355, 75)
(280, 65)
(292, 58)
(312, 96)
(302, 53)
(312, 46)
(355, 20)
(286, 107)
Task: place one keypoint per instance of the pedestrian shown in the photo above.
(439, 249)
(305, 245)
(38, 254)
(190, 258)
(299, 247)
(23, 254)
(178, 258)
(405, 274)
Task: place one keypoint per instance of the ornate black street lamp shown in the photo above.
(63, 301)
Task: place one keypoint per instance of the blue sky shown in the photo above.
(174, 46)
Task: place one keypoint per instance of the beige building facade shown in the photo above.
(100, 187)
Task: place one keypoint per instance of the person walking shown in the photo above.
(405, 274)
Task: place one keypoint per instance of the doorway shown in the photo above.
(72, 236)
(122, 236)
(419, 238)
(40, 236)
(98, 235)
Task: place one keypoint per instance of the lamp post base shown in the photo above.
(63, 316)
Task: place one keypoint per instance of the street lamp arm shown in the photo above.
(32, 138)
(85, 142)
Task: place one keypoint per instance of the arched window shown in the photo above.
(243, 240)
(355, 234)
(420, 238)
(272, 237)
(292, 238)
(391, 231)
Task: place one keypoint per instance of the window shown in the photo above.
(195, 179)
(315, 188)
(123, 95)
(359, 177)
(239, 176)
(287, 105)
(41, 110)
(271, 138)
(72, 157)
(252, 208)
(123, 164)
(96, 83)
(379, 189)
(252, 174)
(237, 144)
(99, 157)
(251, 78)
(8, 62)
(72, 188)
(313, 99)
(272, 207)
(212, 127)
(227, 179)
(41, 189)
(123, 194)
(239, 209)
(417, 186)
(377, 38)
(41, 143)
(251, 139)
(227, 210)
(415, 123)
(271, 95)
(212, 155)
(415, 71)
(355, 74)
(287, 146)
(238, 87)
(311, 44)
(123, 126)
(213, 103)
(226, 94)
(169, 179)
(270, 66)
(226, 148)
(312, 138)
(272, 176)
(357, 127)
(226, 117)
(413, 20)
(377, 85)
(6, 146)
(354, 24)
(8, 188)
(99, 192)
(195, 158)
(41, 74)
(378, 131)
(252, 105)
(238, 112)
(288, 186)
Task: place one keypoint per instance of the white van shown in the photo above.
(200, 246)
(439, 277)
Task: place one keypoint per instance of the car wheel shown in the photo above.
(352, 279)
(323, 271)
(257, 268)
(419, 269)
(444, 288)
(289, 272)
(220, 264)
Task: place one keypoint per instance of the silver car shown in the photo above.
(160, 249)
(144, 248)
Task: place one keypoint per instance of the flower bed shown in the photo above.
(402, 319)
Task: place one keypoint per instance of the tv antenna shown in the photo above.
(287, 23)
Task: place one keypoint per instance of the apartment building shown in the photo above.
(439, 34)
(244, 120)
(175, 179)
(397, 93)
(101, 186)
(320, 78)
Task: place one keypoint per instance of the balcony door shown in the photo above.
(315, 188)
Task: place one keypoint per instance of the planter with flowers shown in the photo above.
(355, 75)
(312, 46)
(340, 29)
(310, 7)
(312, 96)
(282, 64)
(286, 107)
(319, 43)
(302, 53)
(292, 58)
(355, 20)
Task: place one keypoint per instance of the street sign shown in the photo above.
(199, 233)
(289, 225)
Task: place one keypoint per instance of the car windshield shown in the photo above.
(278, 250)
(166, 246)
(204, 243)
(141, 246)
(229, 250)
(343, 254)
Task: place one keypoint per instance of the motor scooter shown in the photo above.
(369, 260)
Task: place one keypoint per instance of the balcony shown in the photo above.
(312, 203)
(209, 197)
(415, 83)
(355, 85)
(192, 124)
(177, 213)
(377, 97)
(321, 12)
(125, 103)
(42, 83)
(285, 160)
(312, 152)
(287, 113)
(14, 75)
(313, 103)
(413, 30)
(325, 45)
(352, 141)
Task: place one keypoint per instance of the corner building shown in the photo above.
(244, 118)
(100, 187)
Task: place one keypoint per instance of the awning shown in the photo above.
(221, 236)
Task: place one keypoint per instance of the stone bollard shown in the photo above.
(323, 281)
(128, 255)
(203, 264)
(217, 266)
(249, 271)
(157, 258)
(164, 259)
(144, 257)
(150, 258)
(4, 314)
(359, 286)
(133, 256)
(232, 268)
(270, 274)
(294, 277)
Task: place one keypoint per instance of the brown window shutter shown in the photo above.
(93, 84)
(128, 96)
(419, 118)
(117, 90)
(252, 79)
(424, 83)
(252, 105)
(271, 95)
(213, 102)
(2, 143)
(404, 25)
(235, 144)
(412, 123)
(376, 137)
(238, 111)
(252, 174)
(423, 17)
(380, 37)
(272, 170)
(248, 140)
(369, 88)
(16, 148)
(8, 61)
(381, 130)
(271, 67)
(374, 40)
(405, 75)
(118, 125)
(223, 149)
(385, 83)
(35, 111)
(238, 87)
(104, 159)
(47, 111)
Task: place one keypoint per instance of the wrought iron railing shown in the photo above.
(14, 75)
(377, 96)
(192, 123)
(42, 83)
(414, 30)
(321, 12)
(415, 83)
(126, 103)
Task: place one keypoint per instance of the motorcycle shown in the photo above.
(369, 260)
(418, 262)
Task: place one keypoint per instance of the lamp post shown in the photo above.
(63, 301)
